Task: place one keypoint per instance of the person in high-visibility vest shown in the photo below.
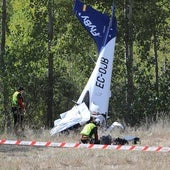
(89, 133)
(18, 108)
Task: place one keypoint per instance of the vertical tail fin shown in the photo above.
(96, 23)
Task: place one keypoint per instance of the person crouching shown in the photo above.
(89, 133)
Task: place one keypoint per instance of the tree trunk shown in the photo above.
(50, 66)
(3, 69)
(156, 65)
(129, 57)
(156, 76)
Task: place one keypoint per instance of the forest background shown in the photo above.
(45, 49)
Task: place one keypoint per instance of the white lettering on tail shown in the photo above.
(88, 23)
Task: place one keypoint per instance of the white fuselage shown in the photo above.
(99, 82)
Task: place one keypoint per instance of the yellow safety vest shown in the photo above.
(15, 99)
(87, 129)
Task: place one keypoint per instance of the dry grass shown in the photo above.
(29, 158)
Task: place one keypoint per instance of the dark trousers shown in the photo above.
(18, 116)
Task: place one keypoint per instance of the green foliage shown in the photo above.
(74, 54)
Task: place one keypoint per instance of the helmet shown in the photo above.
(20, 88)
(97, 122)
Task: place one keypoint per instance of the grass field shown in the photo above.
(33, 158)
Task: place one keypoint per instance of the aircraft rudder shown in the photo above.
(95, 22)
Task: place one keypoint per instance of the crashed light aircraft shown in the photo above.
(96, 94)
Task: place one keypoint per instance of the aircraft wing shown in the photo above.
(78, 114)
